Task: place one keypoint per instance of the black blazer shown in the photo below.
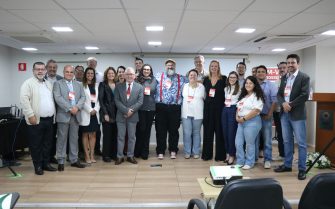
(107, 102)
(299, 95)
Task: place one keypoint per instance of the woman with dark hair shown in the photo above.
(108, 114)
(250, 104)
(214, 102)
(120, 73)
(146, 112)
(90, 119)
(192, 115)
(229, 123)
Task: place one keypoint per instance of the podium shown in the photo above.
(325, 123)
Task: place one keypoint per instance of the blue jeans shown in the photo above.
(297, 127)
(229, 125)
(191, 135)
(266, 132)
(247, 132)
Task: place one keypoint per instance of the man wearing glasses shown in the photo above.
(39, 109)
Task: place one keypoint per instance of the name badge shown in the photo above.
(147, 91)
(240, 106)
(227, 102)
(287, 91)
(190, 98)
(211, 93)
(72, 95)
(168, 83)
(93, 98)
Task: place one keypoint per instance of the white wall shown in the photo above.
(6, 76)
(325, 69)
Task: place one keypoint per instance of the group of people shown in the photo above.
(126, 101)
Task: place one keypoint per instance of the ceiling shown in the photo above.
(190, 26)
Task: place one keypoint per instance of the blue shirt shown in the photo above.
(270, 95)
(169, 87)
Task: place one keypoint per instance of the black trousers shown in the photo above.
(109, 140)
(167, 120)
(98, 140)
(54, 141)
(143, 132)
(276, 119)
(212, 124)
(40, 138)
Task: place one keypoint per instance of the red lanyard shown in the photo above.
(161, 88)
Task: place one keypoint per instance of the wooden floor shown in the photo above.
(174, 182)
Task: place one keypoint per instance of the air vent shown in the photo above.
(282, 39)
(33, 39)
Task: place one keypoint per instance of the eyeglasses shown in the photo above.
(232, 77)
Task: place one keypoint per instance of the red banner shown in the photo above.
(273, 74)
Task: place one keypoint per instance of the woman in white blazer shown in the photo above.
(90, 114)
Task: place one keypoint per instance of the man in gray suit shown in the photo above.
(70, 97)
(128, 100)
(292, 96)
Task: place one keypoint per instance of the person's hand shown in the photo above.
(266, 117)
(130, 113)
(106, 117)
(239, 119)
(286, 107)
(74, 110)
(32, 120)
(93, 112)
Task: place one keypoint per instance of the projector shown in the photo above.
(221, 175)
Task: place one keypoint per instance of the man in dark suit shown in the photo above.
(128, 100)
(292, 96)
(70, 97)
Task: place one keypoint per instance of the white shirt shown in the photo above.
(247, 104)
(231, 99)
(47, 105)
(193, 101)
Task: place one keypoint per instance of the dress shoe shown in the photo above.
(77, 164)
(53, 160)
(39, 171)
(144, 157)
(107, 159)
(282, 168)
(60, 167)
(119, 161)
(302, 175)
(48, 167)
(131, 160)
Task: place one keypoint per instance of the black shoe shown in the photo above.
(78, 164)
(60, 167)
(39, 171)
(119, 161)
(131, 160)
(145, 158)
(48, 167)
(282, 168)
(53, 160)
(107, 159)
(302, 175)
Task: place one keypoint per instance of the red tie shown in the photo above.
(128, 91)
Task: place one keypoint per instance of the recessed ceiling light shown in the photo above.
(218, 48)
(329, 32)
(91, 47)
(154, 28)
(245, 30)
(278, 50)
(62, 29)
(155, 43)
(29, 49)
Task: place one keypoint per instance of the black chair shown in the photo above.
(8, 200)
(265, 193)
(319, 193)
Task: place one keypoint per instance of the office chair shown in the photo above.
(8, 200)
(319, 192)
(265, 193)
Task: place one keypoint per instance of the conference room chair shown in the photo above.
(264, 193)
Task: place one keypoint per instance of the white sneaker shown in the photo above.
(246, 167)
(239, 166)
(278, 158)
(196, 156)
(267, 165)
(187, 156)
(161, 156)
(173, 155)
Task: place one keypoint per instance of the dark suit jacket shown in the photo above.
(107, 102)
(299, 95)
(123, 104)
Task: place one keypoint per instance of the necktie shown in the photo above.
(128, 91)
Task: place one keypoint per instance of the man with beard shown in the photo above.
(240, 69)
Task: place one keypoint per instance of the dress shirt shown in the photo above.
(270, 95)
(70, 86)
(289, 84)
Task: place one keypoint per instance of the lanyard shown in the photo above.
(161, 88)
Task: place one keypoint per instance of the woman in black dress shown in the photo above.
(214, 102)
